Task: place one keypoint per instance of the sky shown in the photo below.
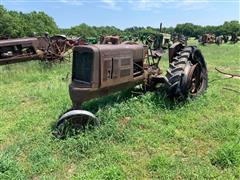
(129, 13)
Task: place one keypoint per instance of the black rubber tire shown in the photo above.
(180, 70)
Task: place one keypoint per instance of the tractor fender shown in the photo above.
(197, 55)
(176, 47)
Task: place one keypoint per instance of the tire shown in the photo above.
(187, 74)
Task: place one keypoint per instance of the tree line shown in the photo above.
(15, 24)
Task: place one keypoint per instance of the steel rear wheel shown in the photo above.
(195, 79)
(187, 74)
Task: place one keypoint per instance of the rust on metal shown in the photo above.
(35, 48)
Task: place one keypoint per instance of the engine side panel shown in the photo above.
(116, 66)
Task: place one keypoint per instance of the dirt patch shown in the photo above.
(124, 121)
(71, 169)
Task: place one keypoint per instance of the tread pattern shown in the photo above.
(176, 71)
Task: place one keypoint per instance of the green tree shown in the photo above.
(231, 27)
(17, 24)
(83, 30)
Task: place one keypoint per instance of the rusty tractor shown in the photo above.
(234, 38)
(219, 40)
(110, 40)
(225, 38)
(207, 39)
(36, 48)
(99, 70)
(179, 38)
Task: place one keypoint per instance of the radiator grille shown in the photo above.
(82, 66)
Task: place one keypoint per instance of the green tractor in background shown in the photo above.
(92, 40)
(156, 40)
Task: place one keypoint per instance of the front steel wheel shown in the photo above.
(74, 122)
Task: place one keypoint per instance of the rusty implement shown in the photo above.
(35, 48)
(18, 50)
(207, 39)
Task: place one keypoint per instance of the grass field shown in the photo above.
(140, 137)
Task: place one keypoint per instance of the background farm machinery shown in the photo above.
(212, 38)
(207, 39)
(36, 48)
(54, 48)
